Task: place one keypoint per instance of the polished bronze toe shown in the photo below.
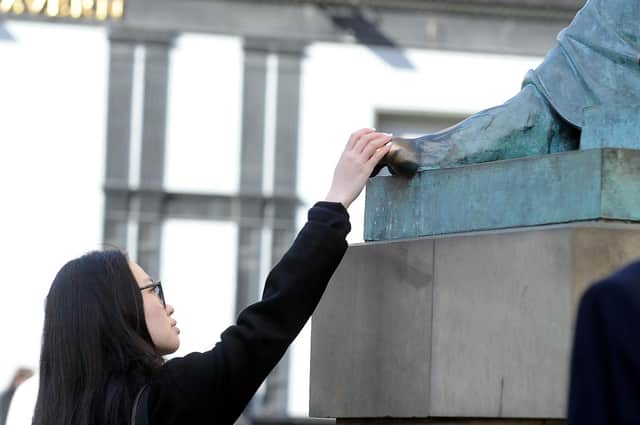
(402, 159)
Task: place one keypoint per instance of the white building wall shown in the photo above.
(52, 132)
(198, 277)
(203, 119)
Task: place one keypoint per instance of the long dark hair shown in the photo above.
(96, 348)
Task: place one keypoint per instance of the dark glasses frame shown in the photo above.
(157, 288)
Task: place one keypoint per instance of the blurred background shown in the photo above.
(195, 134)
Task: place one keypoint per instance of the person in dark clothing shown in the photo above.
(605, 363)
(6, 396)
(107, 325)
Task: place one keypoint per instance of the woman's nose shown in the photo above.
(170, 309)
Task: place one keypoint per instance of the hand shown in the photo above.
(364, 150)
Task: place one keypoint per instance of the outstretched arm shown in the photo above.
(215, 386)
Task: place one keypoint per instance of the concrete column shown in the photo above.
(285, 192)
(287, 120)
(116, 209)
(154, 117)
(251, 213)
(286, 148)
(277, 213)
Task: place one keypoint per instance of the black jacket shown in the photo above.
(215, 386)
(605, 364)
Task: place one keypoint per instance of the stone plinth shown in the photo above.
(593, 184)
(465, 326)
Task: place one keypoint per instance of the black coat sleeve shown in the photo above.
(215, 386)
(605, 363)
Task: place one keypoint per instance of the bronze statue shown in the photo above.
(596, 62)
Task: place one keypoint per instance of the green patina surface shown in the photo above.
(612, 126)
(580, 185)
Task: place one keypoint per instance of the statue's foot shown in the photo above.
(402, 159)
(526, 125)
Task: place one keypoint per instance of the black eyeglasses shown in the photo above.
(157, 288)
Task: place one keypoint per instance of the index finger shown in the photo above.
(357, 135)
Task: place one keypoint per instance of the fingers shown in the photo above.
(364, 151)
(369, 146)
(353, 139)
(375, 143)
(365, 140)
(377, 156)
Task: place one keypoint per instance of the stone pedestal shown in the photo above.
(472, 328)
(566, 187)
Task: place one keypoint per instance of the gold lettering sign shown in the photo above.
(75, 9)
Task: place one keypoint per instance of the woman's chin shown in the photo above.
(170, 348)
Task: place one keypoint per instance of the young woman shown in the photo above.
(107, 325)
